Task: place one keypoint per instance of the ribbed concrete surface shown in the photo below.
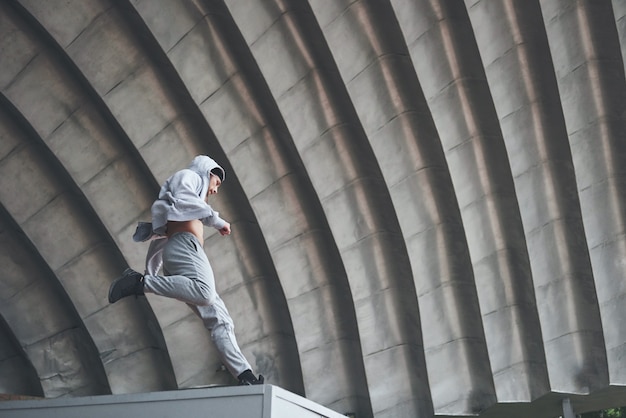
(427, 197)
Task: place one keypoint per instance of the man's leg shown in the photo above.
(189, 277)
(218, 321)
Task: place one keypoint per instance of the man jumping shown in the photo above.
(178, 219)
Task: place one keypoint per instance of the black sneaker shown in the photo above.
(130, 283)
(247, 378)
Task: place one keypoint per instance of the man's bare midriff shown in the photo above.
(195, 227)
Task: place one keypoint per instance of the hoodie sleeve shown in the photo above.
(215, 221)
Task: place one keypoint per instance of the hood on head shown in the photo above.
(203, 165)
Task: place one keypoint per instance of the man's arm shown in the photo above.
(225, 230)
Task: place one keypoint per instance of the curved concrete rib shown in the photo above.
(367, 43)
(293, 230)
(512, 42)
(34, 306)
(82, 257)
(17, 373)
(348, 182)
(590, 74)
(447, 63)
(519, 74)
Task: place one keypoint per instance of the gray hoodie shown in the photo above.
(182, 199)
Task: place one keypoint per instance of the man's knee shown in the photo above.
(206, 300)
(208, 296)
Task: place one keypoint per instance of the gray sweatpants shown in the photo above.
(189, 278)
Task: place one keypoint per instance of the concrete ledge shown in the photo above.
(263, 401)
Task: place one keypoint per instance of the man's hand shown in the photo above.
(225, 229)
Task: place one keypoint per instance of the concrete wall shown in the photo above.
(427, 197)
